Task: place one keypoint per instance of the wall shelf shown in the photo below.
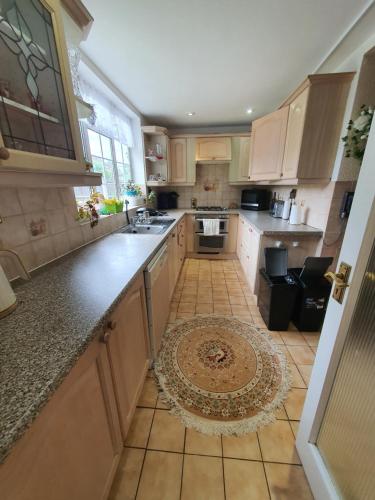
(27, 110)
(29, 178)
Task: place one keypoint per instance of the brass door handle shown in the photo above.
(337, 278)
(4, 154)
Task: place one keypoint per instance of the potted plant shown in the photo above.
(358, 131)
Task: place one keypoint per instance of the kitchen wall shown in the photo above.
(40, 225)
(221, 194)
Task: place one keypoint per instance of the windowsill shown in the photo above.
(106, 216)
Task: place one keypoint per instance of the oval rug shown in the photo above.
(221, 375)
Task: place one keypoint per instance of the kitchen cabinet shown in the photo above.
(182, 163)
(232, 234)
(248, 245)
(172, 260)
(181, 240)
(239, 167)
(38, 120)
(267, 145)
(157, 150)
(127, 343)
(74, 445)
(190, 233)
(213, 148)
(316, 111)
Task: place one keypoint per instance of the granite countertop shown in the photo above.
(63, 307)
(263, 223)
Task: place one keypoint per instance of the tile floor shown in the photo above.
(163, 460)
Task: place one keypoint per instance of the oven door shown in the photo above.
(210, 244)
(199, 224)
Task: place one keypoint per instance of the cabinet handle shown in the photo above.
(4, 154)
(105, 337)
(281, 174)
(111, 324)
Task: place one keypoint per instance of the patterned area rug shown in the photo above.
(221, 375)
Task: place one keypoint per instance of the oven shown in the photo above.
(211, 244)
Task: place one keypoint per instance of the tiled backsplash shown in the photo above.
(40, 225)
(216, 176)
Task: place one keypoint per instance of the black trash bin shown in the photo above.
(277, 290)
(313, 294)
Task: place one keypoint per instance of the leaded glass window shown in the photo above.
(33, 109)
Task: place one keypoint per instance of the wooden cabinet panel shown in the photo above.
(181, 240)
(232, 234)
(296, 122)
(72, 449)
(213, 148)
(128, 350)
(240, 163)
(248, 252)
(173, 268)
(267, 145)
(190, 233)
(178, 160)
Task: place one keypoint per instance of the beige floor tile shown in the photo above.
(305, 371)
(287, 482)
(295, 427)
(221, 300)
(192, 299)
(297, 380)
(314, 349)
(276, 338)
(201, 444)
(172, 317)
(183, 315)
(258, 321)
(205, 284)
(245, 446)
(205, 299)
(222, 309)
(186, 307)
(173, 306)
(202, 478)
(161, 476)
(244, 480)
(167, 433)
(240, 310)
(302, 355)
(251, 300)
(204, 308)
(238, 300)
(312, 338)
(294, 403)
(284, 349)
(127, 476)
(280, 414)
(140, 428)
(293, 338)
(149, 394)
(277, 443)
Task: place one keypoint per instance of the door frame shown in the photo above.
(356, 248)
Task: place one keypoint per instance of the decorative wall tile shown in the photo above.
(37, 225)
(56, 221)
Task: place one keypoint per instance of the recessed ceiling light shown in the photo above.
(249, 111)
(190, 113)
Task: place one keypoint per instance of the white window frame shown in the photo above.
(88, 156)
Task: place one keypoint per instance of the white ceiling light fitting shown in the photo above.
(249, 111)
(190, 113)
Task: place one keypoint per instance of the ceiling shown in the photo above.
(216, 58)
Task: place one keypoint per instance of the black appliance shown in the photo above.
(313, 293)
(167, 200)
(277, 290)
(255, 199)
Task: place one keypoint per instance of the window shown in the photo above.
(109, 158)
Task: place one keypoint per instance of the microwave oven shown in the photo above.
(255, 199)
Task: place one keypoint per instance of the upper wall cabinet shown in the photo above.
(267, 145)
(38, 120)
(182, 160)
(316, 111)
(239, 168)
(213, 148)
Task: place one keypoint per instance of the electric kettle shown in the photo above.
(8, 299)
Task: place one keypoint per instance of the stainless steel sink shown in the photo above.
(156, 226)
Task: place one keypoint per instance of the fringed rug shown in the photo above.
(221, 375)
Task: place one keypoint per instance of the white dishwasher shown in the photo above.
(157, 293)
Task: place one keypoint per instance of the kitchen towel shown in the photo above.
(211, 227)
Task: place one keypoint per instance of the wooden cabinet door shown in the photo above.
(190, 233)
(239, 165)
(232, 234)
(128, 349)
(178, 160)
(172, 260)
(267, 145)
(213, 148)
(240, 231)
(181, 240)
(41, 127)
(296, 122)
(72, 449)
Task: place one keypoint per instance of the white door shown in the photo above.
(336, 439)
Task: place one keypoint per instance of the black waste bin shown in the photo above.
(313, 294)
(277, 290)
